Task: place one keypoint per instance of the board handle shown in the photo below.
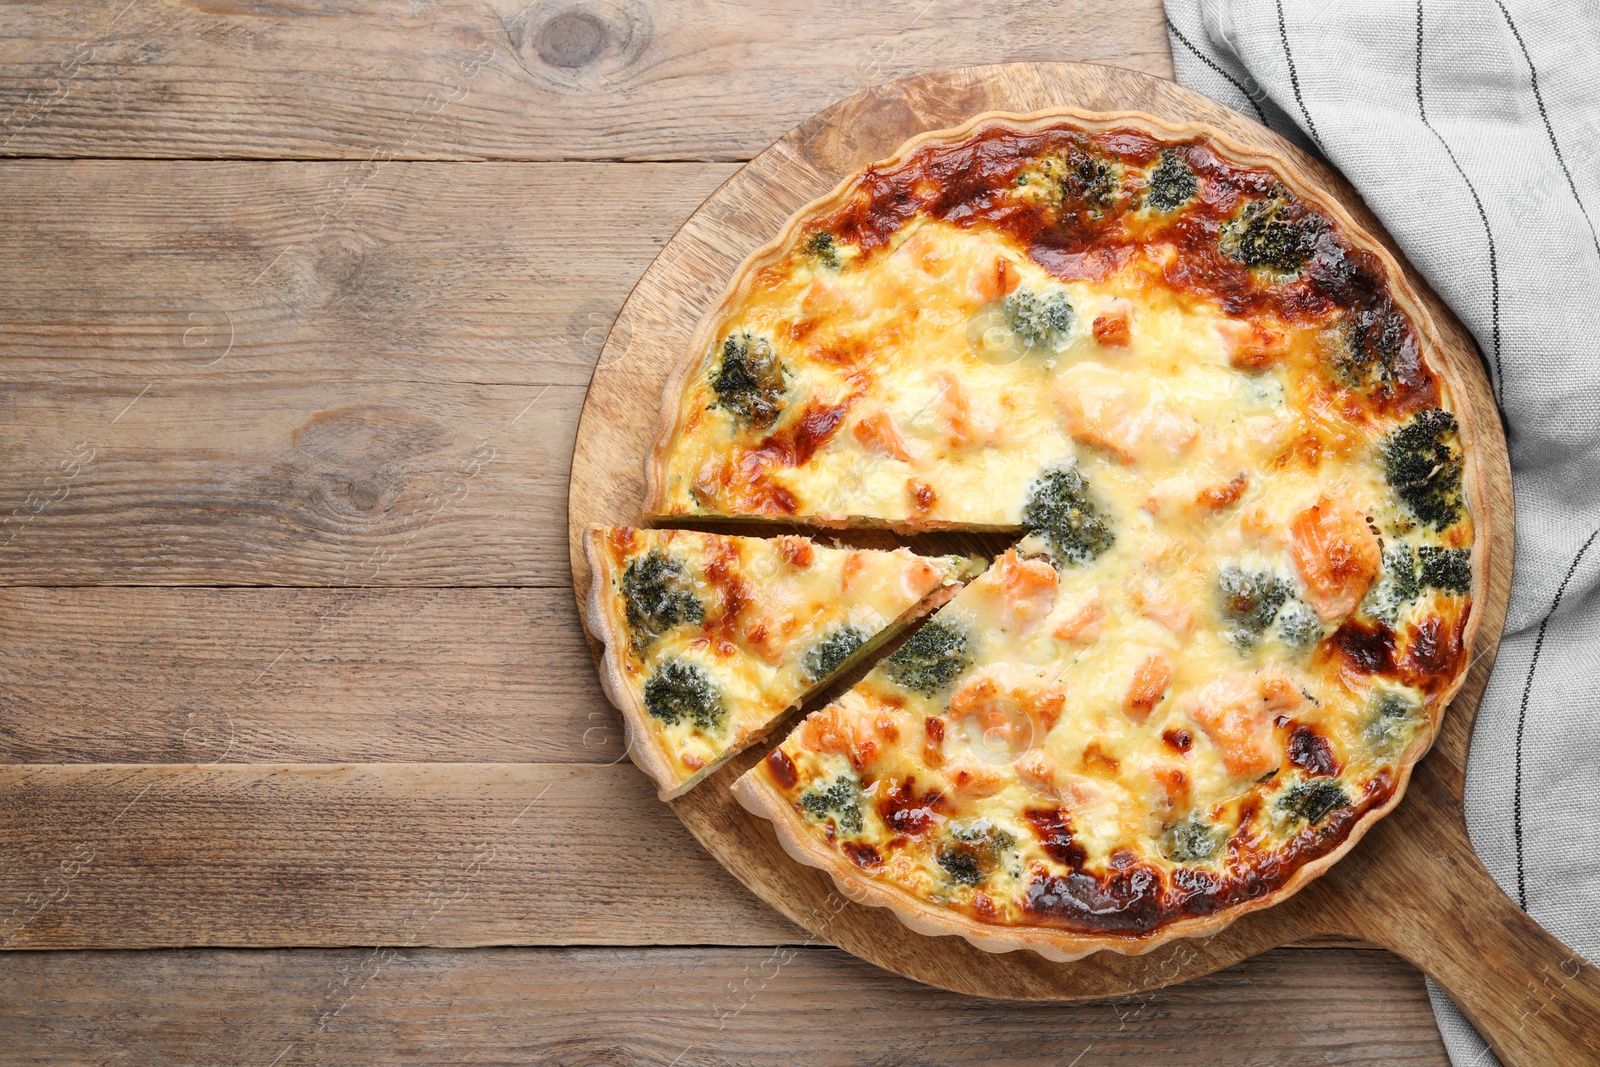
(1430, 899)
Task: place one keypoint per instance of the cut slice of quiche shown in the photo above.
(709, 638)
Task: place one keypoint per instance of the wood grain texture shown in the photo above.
(511, 79)
(378, 854)
(295, 273)
(281, 374)
(1428, 850)
(131, 675)
(336, 484)
(665, 1006)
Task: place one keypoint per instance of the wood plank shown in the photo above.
(294, 272)
(663, 1006)
(130, 675)
(339, 484)
(390, 854)
(299, 399)
(468, 79)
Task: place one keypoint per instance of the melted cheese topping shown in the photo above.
(1103, 718)
(717, 636)
(1109, 730)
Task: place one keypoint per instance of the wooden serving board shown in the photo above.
(1413, 885)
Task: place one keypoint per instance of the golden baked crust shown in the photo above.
(1368, 652)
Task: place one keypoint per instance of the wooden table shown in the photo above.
(299, 303)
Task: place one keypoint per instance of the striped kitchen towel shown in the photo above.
(1472, 129)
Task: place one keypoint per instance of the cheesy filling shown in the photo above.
(1245, 570)
(718, 636)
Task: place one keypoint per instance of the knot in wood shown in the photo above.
(572, 39)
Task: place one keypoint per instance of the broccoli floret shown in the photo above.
(1277, 232)
(1060, 512)
(1250, 601)
(1376, 342)
(657, 596)
(981, 832)
(1447, 569)
(681, 690)
(1190, 841)
(1389, 722)
(1422, 463)
(1312, 801)
(1390, 705)
(1172, 183)
(1089, 180)
(841, 800)
(829, 654)
(1398, 585)
(974, 852)
(961, 865)
(1299, 625)
(749, 380)
(822, 246)
(931, 659)
(1043, 322)
(1400, 567)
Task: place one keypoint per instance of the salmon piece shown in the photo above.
(770, 638)
(1103, 409)
(878, 433)
(1028, 588)
(1113, 329)
(1098, 763)
(1337, 555)
(1004, 713)
(829, 299)
(972, 779)
(841, 731)
(920, 578)
(1154, 599)
(796, 551)
(1038, 772)
(1083, 625)
(1217, 497)
(1176, 430)
(1149, 685)
(1252, 345)
(955, 411)
(997, 693)
(991, 281)
(1105, 427)
(854, 566)
(925, 248)
(933, 742)
(1236, 712)
(1258, 526)
(1174, 783)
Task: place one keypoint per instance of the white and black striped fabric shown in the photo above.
(1472, 129)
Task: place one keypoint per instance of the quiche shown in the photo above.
(1243, 489)
(709, 638)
